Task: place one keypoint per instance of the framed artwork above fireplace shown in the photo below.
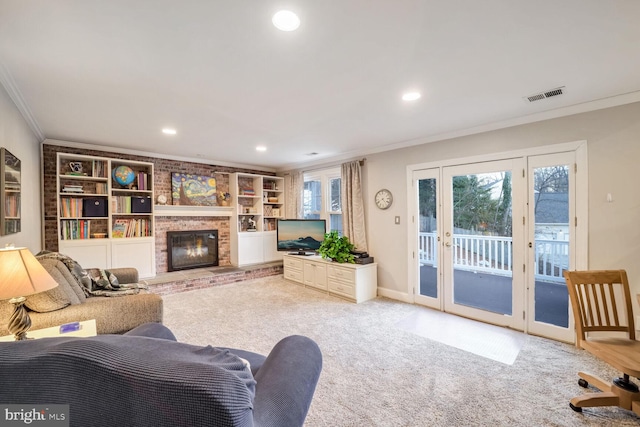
(193, 190)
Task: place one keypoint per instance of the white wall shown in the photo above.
(17, 137)
(613, 139)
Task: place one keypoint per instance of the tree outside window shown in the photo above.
(322, 198)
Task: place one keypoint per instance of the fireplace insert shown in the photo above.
(192, 249)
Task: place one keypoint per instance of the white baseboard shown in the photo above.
(395, 295)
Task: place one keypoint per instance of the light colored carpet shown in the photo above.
(376, 374)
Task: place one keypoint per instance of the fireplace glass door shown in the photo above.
(192, 249)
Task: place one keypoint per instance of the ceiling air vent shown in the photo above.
(546, 94)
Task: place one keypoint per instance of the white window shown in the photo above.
(322, 197)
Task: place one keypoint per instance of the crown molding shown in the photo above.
(108, 148)
(585, 107)
(6, 79)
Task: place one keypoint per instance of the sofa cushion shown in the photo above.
(58, 297)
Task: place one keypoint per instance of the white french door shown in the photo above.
(551, 243)
(427, 268)
(490, 239)
(483, 241)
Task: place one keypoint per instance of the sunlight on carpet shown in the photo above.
(492, 342)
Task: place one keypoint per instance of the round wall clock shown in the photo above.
(384, 199)
(162, 199)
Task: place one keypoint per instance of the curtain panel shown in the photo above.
(352, 205)
(294, 184)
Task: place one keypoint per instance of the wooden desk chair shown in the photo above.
(601, 302)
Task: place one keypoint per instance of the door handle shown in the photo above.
(448, 244)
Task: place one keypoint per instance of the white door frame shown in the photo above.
(580, 250)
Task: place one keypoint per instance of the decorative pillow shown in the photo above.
(77, 278)
(53, 299)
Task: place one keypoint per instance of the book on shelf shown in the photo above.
(119, 228)
(143, 181)
(99, 169)
(71, 207)
(73, 188)
(75, 229)
(140, 227)
(101, 188)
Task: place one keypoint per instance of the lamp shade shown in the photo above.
(21, 274)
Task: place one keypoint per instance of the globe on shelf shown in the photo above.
(123, 175)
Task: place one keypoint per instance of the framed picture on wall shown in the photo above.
(193, 190)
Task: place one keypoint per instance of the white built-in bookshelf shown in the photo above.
(103, 222)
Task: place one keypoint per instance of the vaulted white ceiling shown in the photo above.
(115, 72)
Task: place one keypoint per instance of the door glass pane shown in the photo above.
(551, 211)
(482, 241)
(428, 237)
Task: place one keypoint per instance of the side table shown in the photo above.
(87, 329)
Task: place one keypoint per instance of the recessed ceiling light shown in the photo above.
(261, 148)
(286, 20)
(411, 96)
(169, 131)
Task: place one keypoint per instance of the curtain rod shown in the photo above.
(361, 161)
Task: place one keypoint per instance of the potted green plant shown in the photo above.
(336, 248)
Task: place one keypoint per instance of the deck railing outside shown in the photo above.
(494, 255)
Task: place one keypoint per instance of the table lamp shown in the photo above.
(20, 275)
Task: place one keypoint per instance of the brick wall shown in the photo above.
(162, 169)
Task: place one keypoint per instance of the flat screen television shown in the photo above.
(300, 236)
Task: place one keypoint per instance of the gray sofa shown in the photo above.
(146, 378)
(70, 301)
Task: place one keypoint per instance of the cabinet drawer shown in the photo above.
(343, 274)
(293, 275)
(342, 288)
(293, 263)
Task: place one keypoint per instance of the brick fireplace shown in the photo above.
(185, 223)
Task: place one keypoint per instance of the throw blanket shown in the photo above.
(94, 282)
(105, 283)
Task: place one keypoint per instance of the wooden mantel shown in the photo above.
(177, 210)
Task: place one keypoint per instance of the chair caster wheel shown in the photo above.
(583, 383)
(575, 408)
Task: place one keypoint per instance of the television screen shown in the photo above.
(300, 235)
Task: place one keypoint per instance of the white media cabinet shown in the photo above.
(356, 282)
